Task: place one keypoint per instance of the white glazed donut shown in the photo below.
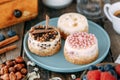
(72, 22)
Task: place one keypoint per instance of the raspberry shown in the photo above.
(117, 69)
(78, 79)
(107, 76)
(93, 75)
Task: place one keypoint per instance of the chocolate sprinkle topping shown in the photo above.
(41, 34)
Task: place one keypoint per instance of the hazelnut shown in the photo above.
(14, 62)
(23, 65)
(5, 77)
(24, 71)
(12, 69)
(18, 67)
(4, 70)
(19, 59)
(18, 75)
(9, 63)
(23, 76)
(12, 76)
(2, 65)
(1, 71)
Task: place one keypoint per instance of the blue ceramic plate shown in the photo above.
(58, 63)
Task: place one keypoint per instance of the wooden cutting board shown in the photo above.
(16, 11)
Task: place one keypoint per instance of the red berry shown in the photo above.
(117, 69)
(78, 79)
(93, 75)
(107, 76)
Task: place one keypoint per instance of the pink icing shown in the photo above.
(81, 40)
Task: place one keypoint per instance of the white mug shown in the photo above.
(57, 4)
(109, 10)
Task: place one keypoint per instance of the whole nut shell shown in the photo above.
(4, 70)
(23, 65)
(5, 77)
(24, 71)
(12, 69)
(18, 75)
(18, 67)
(14, 62)
(19, 59)
(9, 63)
(2, 65)
(1, 71)
(12, 76)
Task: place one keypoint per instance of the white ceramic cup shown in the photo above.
(57, 4)
(109, 10)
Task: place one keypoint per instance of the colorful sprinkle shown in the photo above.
(81, 40)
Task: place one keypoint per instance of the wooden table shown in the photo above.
(22, 28)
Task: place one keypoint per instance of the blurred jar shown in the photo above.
(57, 4)
(92, 9)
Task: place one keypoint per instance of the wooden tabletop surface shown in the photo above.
(22, 28)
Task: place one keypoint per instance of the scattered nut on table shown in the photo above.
(30, 63)
(33, 75)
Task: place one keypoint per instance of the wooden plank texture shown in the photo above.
(115, 39)
(19, 28)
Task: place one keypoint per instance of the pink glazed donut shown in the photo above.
(81, 48)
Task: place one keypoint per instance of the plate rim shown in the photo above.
(68, 70)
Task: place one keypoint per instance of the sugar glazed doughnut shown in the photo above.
(81, 48)
(44, 42)
(72, 22)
